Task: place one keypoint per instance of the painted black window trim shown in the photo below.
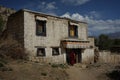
(43, 26)
(43, 50)
(58, 52)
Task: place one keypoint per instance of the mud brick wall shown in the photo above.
(15, 26)
(22, 27)
(108, 57)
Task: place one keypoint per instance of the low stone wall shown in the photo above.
(108, 57)
(88, 56)
(55, 59)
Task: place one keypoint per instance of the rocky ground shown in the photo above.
(24, 70)
(33, 71)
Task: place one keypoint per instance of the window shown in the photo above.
(40, 28)
(73, 31)
(55, 51)
(41, 52)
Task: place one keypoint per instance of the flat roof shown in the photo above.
(44, 14)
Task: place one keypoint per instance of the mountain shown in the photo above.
(4, 13)
(115, 35)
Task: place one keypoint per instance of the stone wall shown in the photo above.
(22, 26)
(15, 27)
(56, 30)
(92, 42)
(88, 56)
(108, 57)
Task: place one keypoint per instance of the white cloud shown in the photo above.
(77, 17)
(75, 2)
(74, 16)
(45, 7)
(94, 14)
(96, 26)
(51, 6)
(67, 15)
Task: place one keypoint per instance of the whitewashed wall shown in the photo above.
(56, 30)
(88, 56)
(108, 57)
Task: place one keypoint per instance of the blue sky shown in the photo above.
(102, 16)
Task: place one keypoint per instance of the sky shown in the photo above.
(102, 16)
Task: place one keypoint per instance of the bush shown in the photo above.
(54, 65)
(63, 66)
(6, 69)
(1, 65)
(10, 48)
(18, 53)
(44, 74)
(114, 75)
(3, 61)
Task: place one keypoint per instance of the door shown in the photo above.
(77, 53)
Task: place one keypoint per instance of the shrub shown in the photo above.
(6, 69)
(1, 65)
(2, 60)
(10, 48)
(63, 66)
(44, 74)
(54, 65)
(114, 75)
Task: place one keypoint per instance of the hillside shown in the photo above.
(4, 13)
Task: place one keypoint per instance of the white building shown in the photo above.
(49, 38)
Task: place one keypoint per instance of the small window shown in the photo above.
(40, 28)
(55, 51)
(41, 52)
(73, 31)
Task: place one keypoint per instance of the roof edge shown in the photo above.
(36, 12)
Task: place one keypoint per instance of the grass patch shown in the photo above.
(63, 66)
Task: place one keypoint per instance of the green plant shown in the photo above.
(63, 66)
(54, 65)
(3, 61)
(1, 65)
(114, 75)
(44, 74)
(6, 69)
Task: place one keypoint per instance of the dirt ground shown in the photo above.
(38, 71)
(33, 71)
(91, 72)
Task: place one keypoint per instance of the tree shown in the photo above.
(104, 42)
(116, 42)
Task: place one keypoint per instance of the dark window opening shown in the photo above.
(41, 52)
(40, 28)
(55, 51)
(73, 31)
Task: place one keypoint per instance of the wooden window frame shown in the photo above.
(56, 49)
(43, 33)
(43, 50)
(76, 31)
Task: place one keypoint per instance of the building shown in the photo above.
(49, 38)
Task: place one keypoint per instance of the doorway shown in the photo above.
(76, 52)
